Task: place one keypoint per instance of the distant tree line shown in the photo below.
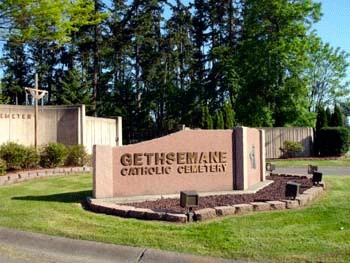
(161, 63)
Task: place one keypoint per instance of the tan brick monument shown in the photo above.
(200, 160)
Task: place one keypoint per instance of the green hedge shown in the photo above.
(333, 141)
(3, 167)
(14, 156)
(53, 155)
(17, 156)
(77, 156)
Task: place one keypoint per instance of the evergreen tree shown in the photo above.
(321, 120)
(199, 72)
(3, 99)
(45, 56)
(329, 116)
(16, 71)
(337, 119)
(75, 90)
(219, 121)
(228, 115)
(207, 120)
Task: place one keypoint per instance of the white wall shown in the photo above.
(102, 131)
(64, 124)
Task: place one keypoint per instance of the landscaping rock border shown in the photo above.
(101, 206)
(21, 176)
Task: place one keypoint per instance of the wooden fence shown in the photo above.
(274, 138)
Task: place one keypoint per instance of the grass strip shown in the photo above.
(343, 161)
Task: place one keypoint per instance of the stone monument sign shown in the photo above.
(201, 160)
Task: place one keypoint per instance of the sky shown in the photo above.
(334, 26)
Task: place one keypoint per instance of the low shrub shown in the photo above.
(13, 154)
(3, 167)
(53, 155)
(32, 158)
(291, 149)
(333, 141)
(77, 156)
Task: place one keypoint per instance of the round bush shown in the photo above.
(32, 158)
(13, 154)
(77, 156)
(292, 149)
(53, 155)
(2, 167)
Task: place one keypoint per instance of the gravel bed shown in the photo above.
(273, 192)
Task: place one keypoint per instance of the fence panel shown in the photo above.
(100, 131)
(274, 138)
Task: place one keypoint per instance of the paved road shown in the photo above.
(25, 247)
(327, 170)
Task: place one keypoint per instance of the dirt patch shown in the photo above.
(273, 192)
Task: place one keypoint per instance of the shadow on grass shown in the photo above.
(73, 197)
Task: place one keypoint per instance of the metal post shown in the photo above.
(36, 112)
(36, 96)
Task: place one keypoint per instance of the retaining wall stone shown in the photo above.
(291, 204)
(204, 214)
(277, 205)
(225, 210)
(243, 208)
(22, 176)
(177, 218)
(261, 206)
(303, 199)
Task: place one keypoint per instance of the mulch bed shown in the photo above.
(273, 192)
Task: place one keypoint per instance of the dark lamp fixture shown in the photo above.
(292, 189)
(311, 169)
(188, 199)
(316, 177)
(270, 167)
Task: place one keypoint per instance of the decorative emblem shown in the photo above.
(252, 158)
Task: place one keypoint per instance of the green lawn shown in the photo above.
(320, 232)
(343, 161)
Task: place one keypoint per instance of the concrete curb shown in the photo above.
(22, 176)
(103, 206)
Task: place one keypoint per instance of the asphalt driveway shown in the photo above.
(24, 247)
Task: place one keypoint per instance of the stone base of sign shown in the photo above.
(12, 178)
(107, 207)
